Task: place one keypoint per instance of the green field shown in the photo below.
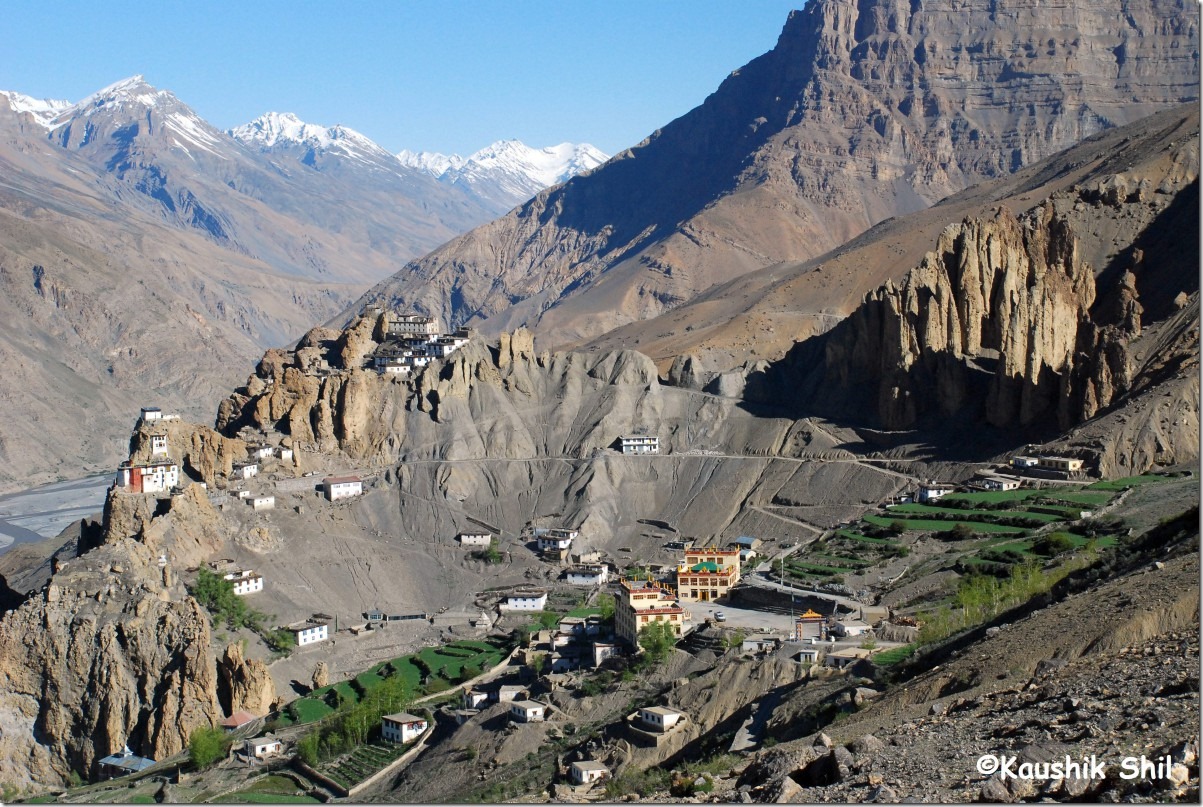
(920, 509)
(856, 536)
(888, 657)
(1125, 482)
(444, 663)
(931, 525)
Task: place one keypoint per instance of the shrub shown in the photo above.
(206, 746)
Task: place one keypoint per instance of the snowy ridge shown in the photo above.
(43, 110)
(282, 129)
(511, 165)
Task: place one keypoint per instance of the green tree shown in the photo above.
(307, 747)
(657, 640)
(606, 603)
(207, 745)
(1053, 544)
(468, 672)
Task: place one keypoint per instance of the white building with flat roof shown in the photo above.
(245, 581)
(525, 601)
(342, 487)
(310, 631)
(475, 539)
(402, 727)
(156, 476)
(528, 711)
(587, 772)
(659, 718)
(640, 444)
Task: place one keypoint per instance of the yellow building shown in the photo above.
(640, 603)
(707, 574)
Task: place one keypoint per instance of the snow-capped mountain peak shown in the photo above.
(283, 129)
(512, 168)
(43, 110)
(132, 90)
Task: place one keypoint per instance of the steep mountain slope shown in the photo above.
(862, 111)
(760, 315)
(508, 172)
(1005, 323)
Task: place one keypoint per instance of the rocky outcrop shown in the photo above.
(105, 656)
(204, 454)
(321, 675)
(476, 403)
(862, 111)
(1009, 292)
(244, 684)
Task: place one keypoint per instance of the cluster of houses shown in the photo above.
(413, 340)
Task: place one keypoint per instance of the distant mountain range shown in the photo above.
(147, 255)
(508, 169)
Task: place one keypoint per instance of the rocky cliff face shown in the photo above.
(1031, 323)
(244, 684)
(862, 111)
(1011, 293)
(106, 655)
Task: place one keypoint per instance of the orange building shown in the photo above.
(707, 574)
(640, 603)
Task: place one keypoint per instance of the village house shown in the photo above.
(556, 539)
(640, 444)
(285, 454)
(123, 763)
(707, 574)
(528, 711)
(932, 491)
(261, 503)
(587, 557)
(846, 656)
(238, 720)
(1063, 464)
(850, 628)
(561, 663)
(342, 487)
(402, 727)
(158, 445)
(534, 600)
(587, 772)
(480, 540)
(659, 718)
(603, 651)
(759, 644)
(262, 452)
(639, 603)
(246, 470)
(1024, 462)
(508, 693)
(999, 483)
(812, 654)
(310, 631)
(264, 747)
(151, 413)
(151, 477)
(245, 581)
(475, 698)
(587, 575)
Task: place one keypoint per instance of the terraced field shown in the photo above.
(995, 530)
(364, 761)
(430, 670)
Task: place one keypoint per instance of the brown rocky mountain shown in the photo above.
(146, 257)
(861, 112)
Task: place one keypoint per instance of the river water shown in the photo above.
(43, 512)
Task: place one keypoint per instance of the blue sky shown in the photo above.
(425, 74)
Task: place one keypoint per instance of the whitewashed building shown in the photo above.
(310, 631)
(477, 540)
(528, 711)
(245, 582)
(150, 413)
(525, 601)
(640, 444)
(158, 445)
(285, 453)
(342, 487)
(557, 539)
(263, 747)
(259, 503)
(246, 470)
(402, 727)
(588, 575)
(412, 324)
(156, 476)
(934, 490)
(659, 718)
(587, 772)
